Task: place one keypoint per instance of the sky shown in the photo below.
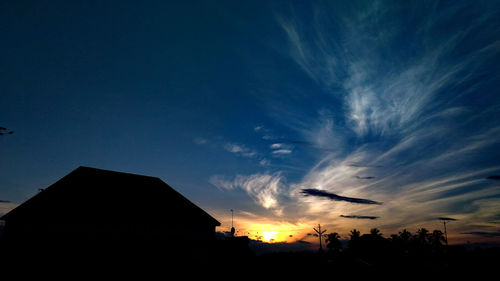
(348, 114)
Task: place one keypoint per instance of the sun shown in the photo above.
(275, 231)
(269, 236)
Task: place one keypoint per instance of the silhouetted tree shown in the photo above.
(435, 239)
(333, 243)
(394, 238)
(405, 235)
(354, 240)
(420, 242)
(355, 234)
(405, 240)
(422, 236)
(375, 232)
(401, 242)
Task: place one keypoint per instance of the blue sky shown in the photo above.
(244, 105)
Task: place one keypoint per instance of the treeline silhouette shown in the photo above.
(422, 252)
(404, 243)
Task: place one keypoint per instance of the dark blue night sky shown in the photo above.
(245, 105)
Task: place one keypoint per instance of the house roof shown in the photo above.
(101, 196)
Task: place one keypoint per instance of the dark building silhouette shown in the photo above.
(109, 212)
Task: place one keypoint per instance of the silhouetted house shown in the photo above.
(90, 206)
(236, 247)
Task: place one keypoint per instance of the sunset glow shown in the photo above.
(274, 118)
(269, 231)
(269, 236)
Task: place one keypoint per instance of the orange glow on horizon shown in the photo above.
(281, 231)
(269, 236)
(271, 232)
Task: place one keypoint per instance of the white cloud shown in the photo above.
(264, 189)
(234, 148)
(264, 162)
(200, 141)
(379, 99)
(395, 117)
(282, 151)
(258, 128)
(276, 145)
(239, 150)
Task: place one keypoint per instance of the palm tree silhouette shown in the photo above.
(333, 243)
(435, 239)
(422, 236)
(355, 234)
(375, 232)
(405, 235)
(354, 240)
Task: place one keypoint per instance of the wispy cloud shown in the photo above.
(361, 165)
(408, 118)
(240, 150)
(200, 141)
(264, 189)
(309, 144)
(380, 95)
(412, 125)
(483, 234)
(282, 151)
(264, 162)
(276, 145)
(259, 128)
(265, 133)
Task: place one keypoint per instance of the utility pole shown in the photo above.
(232, 220)
(320, 233)
(445, 219)
(445, 233)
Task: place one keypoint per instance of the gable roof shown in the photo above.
(94, 195)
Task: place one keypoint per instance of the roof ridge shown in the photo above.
(77, 173)
(111, 171)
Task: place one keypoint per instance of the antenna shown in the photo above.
(444, 219)
(320, 233)
(232, 220)
(445, 233)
